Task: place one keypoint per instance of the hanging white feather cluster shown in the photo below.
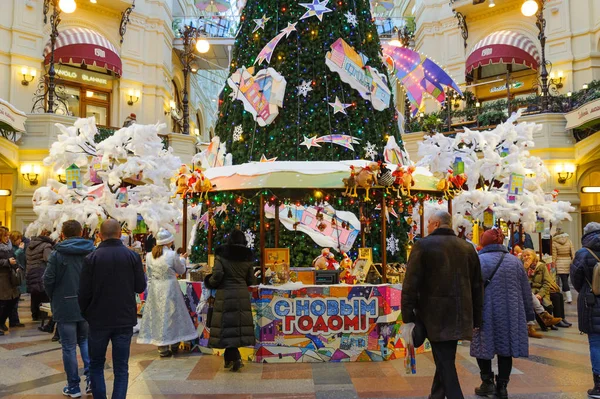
(133, 153)
(490, 158)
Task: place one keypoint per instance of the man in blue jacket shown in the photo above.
(61, 282)
(111, 277)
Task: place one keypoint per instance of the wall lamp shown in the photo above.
(586, 189)
(557, 79)
(28, 75)
(134, 96)
(60, 174)
(173, 110)
(5, 193)
(565, 172)
(30, 173)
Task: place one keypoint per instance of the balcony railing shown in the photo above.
(493, 113)
(387, 28)
(105, 132)
(226, 26)
(213, 27)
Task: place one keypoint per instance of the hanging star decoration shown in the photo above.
(338, 106)
(304, 88)
(316, 8)
(351, 19)
(370, 151)
(267, 52)
(339, 139)
(264, 159)
(260, 23)
(237, 133)
(393, 244)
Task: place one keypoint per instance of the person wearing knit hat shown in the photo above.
(588, 303)
(166, 321)
(507, 308)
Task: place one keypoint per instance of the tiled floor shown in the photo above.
(31, 367)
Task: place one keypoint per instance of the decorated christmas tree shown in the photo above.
(307, 83)
(306, 70)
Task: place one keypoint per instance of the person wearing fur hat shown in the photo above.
(232, 325)
(507, 308)
(166, 321)
(562, 255)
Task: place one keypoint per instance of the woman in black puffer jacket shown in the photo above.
(37, 255)
(588, 304)
(232, 325)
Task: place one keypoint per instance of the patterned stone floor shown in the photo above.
(31, 367)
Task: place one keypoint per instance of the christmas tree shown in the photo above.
(307, 83)
(306, 33)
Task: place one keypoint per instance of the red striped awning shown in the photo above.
(504, 47)
(84, 46)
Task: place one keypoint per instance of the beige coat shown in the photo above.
(562, 253)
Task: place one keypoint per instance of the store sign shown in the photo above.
(331, 315)
(82, 76)
(515, 85)
(12, 117)
(584, 114)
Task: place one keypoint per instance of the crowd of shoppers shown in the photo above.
(489, 297)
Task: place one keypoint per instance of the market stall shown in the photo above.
(326, 204)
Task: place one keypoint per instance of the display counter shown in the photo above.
(317, 323)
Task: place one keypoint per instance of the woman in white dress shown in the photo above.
(166, 320)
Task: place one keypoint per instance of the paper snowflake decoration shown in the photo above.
(250, 238)
(304, 88)
(351, 19)
(370, 151)
(393, 244)
(260, 23)
(237, 133)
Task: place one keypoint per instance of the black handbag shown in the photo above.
(16, 276)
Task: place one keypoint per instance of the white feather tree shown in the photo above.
(490, 158)
(134, 153)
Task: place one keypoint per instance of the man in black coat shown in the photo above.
(443, 288)
(110, 278)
